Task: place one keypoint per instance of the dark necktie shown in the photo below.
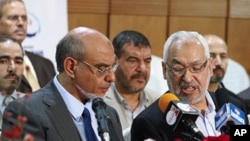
(90, 134)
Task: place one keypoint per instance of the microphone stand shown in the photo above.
(105, 136)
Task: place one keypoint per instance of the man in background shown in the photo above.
(11, 71)
(13, 23)
(218, 53)
(128, 94)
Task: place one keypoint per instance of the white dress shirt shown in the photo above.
(76, 108)
(206, 123)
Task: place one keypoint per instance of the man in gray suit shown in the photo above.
(85, 60)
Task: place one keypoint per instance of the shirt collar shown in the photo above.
(143, 97)
(211, 105)
(74, 106)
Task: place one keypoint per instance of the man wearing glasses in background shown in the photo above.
(187, 67)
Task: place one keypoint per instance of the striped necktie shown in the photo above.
(90, 134)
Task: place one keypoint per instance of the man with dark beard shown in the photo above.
(218, 52)
(11, 71)
(128, 94)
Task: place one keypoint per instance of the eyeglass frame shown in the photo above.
(190, 68)
(102, 72)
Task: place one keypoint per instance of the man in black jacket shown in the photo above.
(218, 52)
(187, 67)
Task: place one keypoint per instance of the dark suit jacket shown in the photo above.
(223, 95)
(49, 118)
(151, 123)
(44, 69)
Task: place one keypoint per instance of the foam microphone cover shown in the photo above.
(165, 100)
(180, 117)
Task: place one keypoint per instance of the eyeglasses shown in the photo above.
(179, 70)
(101, 71)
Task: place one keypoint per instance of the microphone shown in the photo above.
(180, 117)
(99, 107)
(222, 97)
(228, 115)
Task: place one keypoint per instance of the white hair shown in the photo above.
(184, 35)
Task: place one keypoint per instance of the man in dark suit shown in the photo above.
(188, 78)
(218, 52)
(85, 61)
(187, 67)
(13, 23)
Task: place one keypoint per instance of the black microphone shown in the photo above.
(99, 107)
(180, 117)
(223, 96)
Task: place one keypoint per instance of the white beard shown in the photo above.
(86, 94)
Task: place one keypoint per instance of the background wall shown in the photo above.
(157, 19)
(47, 24)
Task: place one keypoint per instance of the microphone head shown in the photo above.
(221, 97)
(97, 103)
(99, 106)
(179, 116)
(229, 114)
(165, 100)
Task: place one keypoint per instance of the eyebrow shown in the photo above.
(8, 57)
(197, 62)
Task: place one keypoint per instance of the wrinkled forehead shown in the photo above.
(186, 51)
(14, 8)
(99, 45)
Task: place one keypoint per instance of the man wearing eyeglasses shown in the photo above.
(128, 94)
(59, 111)
(187, 67)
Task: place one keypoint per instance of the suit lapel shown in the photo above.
(58, 115)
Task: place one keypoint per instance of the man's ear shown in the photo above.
(211, 66)
(70, 66)
(164, 70)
